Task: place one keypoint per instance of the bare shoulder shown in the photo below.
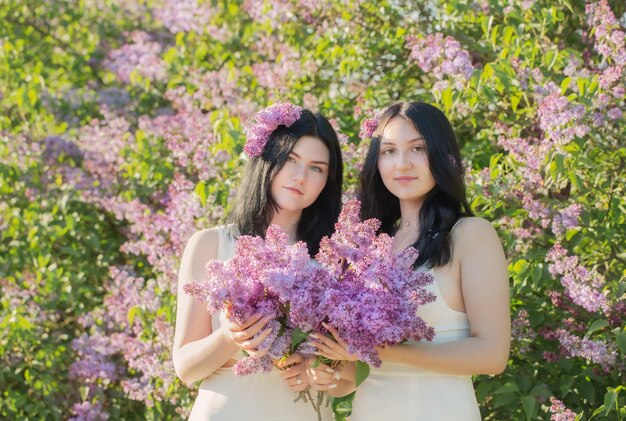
(473, 225)
(204, 237)
(202, 245)
(474, 232)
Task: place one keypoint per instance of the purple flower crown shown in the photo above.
(369, 126)
(268, 120)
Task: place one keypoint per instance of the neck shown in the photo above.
(409, 214)
(288, 221)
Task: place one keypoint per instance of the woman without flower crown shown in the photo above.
(412, 181)
(293, 179)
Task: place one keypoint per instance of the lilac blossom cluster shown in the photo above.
(375, 295)
(560, 119)
(566, 218)
(521, 332)
(368, 127)
(184, 15)
(189, 136)
(559, 411)
(142, 55)
(598, 352)
(87, 411)
(113, 334)
(444, 58)
(268, 120)
(356, 284)
(582, 286)
(260, 278)
(610, 39)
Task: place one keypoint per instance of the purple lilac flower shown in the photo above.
(141, 55)
(566, 218)
(368, 127)
(267, 121)
(582, 286)
(561, 120)
(87, 411)
(262, 277)
(597, 352)
(443, 58)
(373, 299)
(615, 113)
(609, 38)
(184, 15)
(559, 411)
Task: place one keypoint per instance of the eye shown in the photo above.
(387, 151)
(291, 159)
(419, 148)
(317, 169)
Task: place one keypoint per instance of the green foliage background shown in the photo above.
(343, 58)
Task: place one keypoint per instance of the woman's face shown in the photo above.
(403, 161)
(303, 177)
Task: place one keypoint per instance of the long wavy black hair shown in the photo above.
(254, 206)
(443, 205)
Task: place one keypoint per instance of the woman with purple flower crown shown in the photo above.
(293, 179)
(412, 181)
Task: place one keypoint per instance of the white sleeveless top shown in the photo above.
(402, 392)
(265, 397)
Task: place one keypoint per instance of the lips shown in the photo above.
(405, 179)
(294, 190)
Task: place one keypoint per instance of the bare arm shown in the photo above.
(485, 291)
(198, 351)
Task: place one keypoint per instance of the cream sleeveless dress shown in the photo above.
(401, 392)
(264, 397)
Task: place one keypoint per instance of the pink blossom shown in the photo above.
(184, 15)
(268, 120)
(189, 136)
(597, 352)
(443, 58)
(368, 127)
(141, 55)
(561, 120)
(615, 113)
(102, 143)
(87, 411)
(582, 286)
(566, 218)
(609, 38)
(559, 411)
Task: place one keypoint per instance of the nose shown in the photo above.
(404, 161)
(298, 174)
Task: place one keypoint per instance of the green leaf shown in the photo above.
(201, 191)
(595, 326)
(200, 52)
(342, 406)
(507, 388)
(620, 339)
(482, 390)
(362, 371)
(565, 84)
(132, 313)
(530, 405)
(609, 400)
(297, 337)
(486, 25)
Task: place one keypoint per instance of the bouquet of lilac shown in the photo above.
(375, 293)
(356, 283)
(264, 276)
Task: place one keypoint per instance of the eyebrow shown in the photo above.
(389, 142)
(315, 162)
